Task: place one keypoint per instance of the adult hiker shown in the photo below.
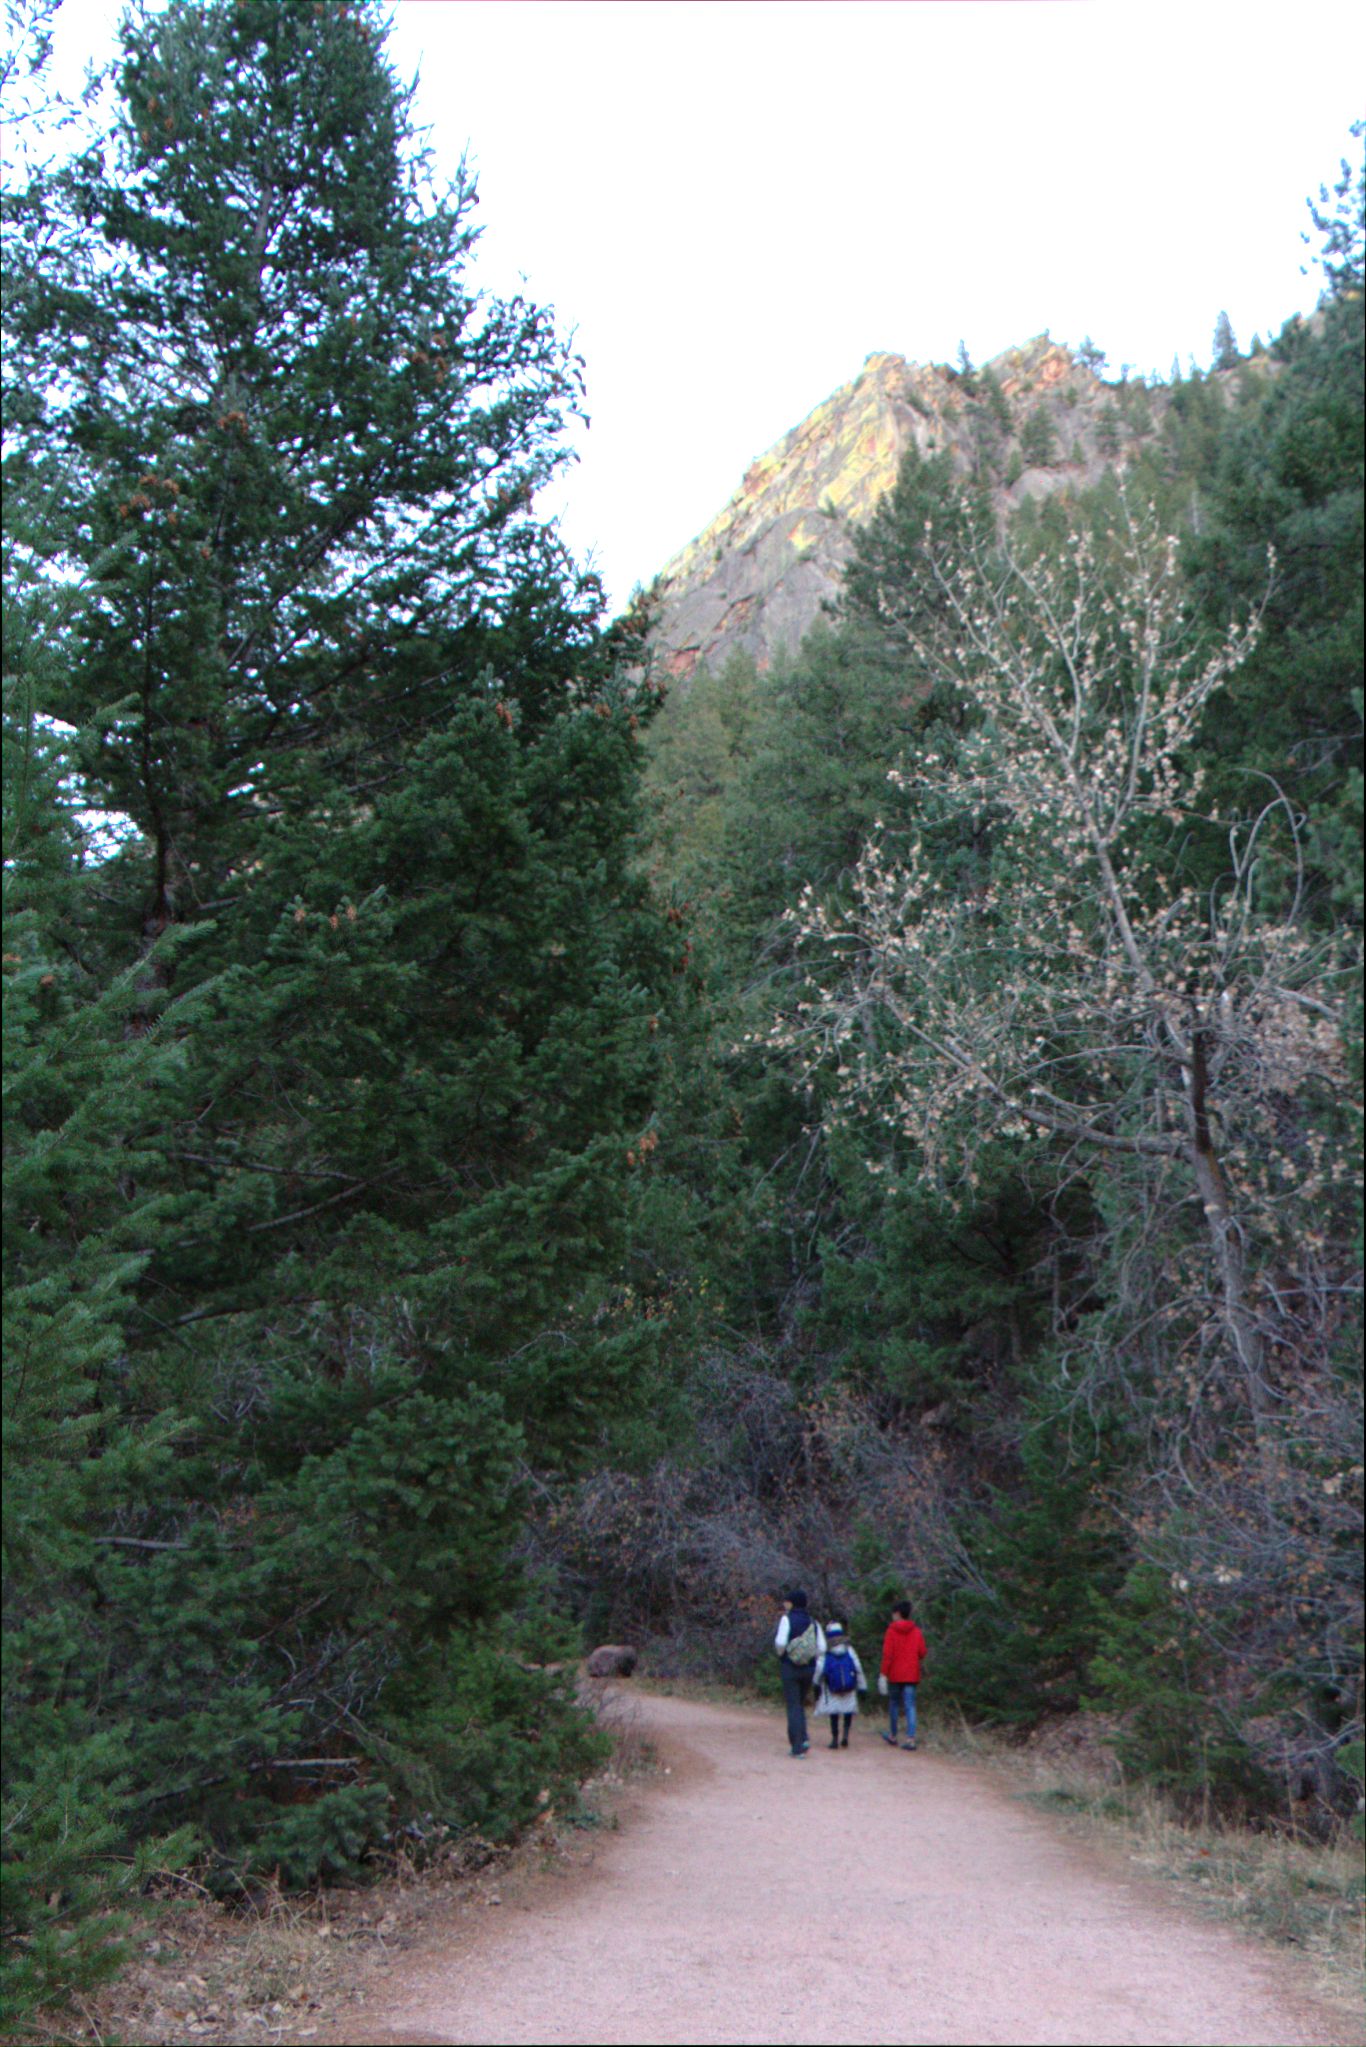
(903, 1659)
(798, 1641)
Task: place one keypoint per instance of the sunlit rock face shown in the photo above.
(757, 578)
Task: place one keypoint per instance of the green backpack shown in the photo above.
(806, 1648)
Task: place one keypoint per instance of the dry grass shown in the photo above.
(618, 1715)
(203, 1972)
(291, 1966)
(1293, 1891)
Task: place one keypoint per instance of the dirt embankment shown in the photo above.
(867, 1896)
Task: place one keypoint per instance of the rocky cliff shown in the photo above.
(1033, 421)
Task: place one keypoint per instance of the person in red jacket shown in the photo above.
(903, 1658)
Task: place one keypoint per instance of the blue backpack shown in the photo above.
(841, 1671)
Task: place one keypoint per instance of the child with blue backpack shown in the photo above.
(840, 1677)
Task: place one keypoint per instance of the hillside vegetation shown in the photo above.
(470, 1186)
(1027, 896)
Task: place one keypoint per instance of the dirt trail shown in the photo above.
(867, 1896)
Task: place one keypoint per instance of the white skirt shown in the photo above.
(836, 1702)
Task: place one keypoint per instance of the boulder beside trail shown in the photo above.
(612, 1659)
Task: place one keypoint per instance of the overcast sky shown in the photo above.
(733, 202)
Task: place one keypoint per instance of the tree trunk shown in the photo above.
(1226, 1237)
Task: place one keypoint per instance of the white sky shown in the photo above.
(734, 201)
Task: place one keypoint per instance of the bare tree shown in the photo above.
(1075, 992)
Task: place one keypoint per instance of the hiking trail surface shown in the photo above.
(866, 1896)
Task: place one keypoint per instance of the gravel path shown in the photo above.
(868, 1896)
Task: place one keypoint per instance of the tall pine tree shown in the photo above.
(390, 986)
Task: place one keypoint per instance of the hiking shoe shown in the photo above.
(845, 1742)
(890, 1739)
(908, 1744)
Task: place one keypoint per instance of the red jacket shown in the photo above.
(903, 1652)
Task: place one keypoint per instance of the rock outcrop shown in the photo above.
(1032, 421)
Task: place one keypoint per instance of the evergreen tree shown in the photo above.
(311, 440)
(79, 1110)
(997, 401)
(1225, 346)
(1039, 440)
(80, 1113)
(376, 989)
(1337, 217)
(1047, 1554)
(698, 746)
(1287, 473)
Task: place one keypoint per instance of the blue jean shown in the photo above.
(901, 1700)
(795, 1682)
